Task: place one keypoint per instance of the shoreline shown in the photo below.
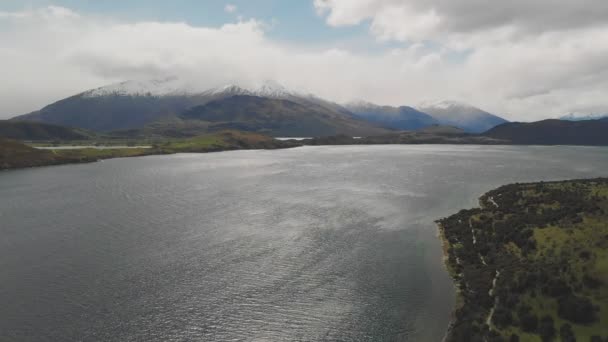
(459, 300)
(15, 155)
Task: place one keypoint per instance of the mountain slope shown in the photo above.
(467, 117)
(553, 132)
(400, 118)
(112, 111)
(278, 117)
(24, 130)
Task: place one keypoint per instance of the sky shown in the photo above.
(525, 60)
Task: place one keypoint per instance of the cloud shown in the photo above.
(522, 72)
(230, 8)
(390, 18)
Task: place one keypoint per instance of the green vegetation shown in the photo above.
(17, 155)
(532, 263)
(433, 135)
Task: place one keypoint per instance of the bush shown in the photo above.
(576, 309)
(529, 323)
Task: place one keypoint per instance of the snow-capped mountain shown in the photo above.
(136, 104)
(460, 114)
(400, 118)
(583, 116)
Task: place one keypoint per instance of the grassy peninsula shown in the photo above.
(14, 155)
(531, 264)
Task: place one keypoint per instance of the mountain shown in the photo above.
(25, 130)
(121, 106)
(400, 118)
(582, 117)
(278, 116)
(553, 132)
(462, 115)
(142, 106)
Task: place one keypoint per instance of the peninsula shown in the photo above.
(531, 264)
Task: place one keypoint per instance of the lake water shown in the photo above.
(308, 244)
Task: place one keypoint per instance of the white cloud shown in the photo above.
(50, 53)
(230, 8)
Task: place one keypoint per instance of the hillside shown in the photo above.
(111, 112)
(32, 131)
(553, 132)
(399, 118)
(461, 115)
(277, 117)
(531, 264)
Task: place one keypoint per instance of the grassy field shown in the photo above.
(532, 263)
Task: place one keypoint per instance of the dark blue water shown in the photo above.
(311, 244)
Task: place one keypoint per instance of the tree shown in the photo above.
(566, 334)
(546, 330)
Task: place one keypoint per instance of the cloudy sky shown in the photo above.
(522, 59)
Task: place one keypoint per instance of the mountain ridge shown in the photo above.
(553, 132)
(400, 118)
(462, 115)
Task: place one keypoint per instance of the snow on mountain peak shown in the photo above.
(269, 89)
(444, 104)
(175, 87)
(361, 104)
(578, 116)
(163, 87)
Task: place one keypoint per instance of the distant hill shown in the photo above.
(278, 117)
(461, 115)
(399, 118)
(553, 132)
(25, 130)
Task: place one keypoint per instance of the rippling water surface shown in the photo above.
(310, 244)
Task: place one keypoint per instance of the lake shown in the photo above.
(311, 244)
